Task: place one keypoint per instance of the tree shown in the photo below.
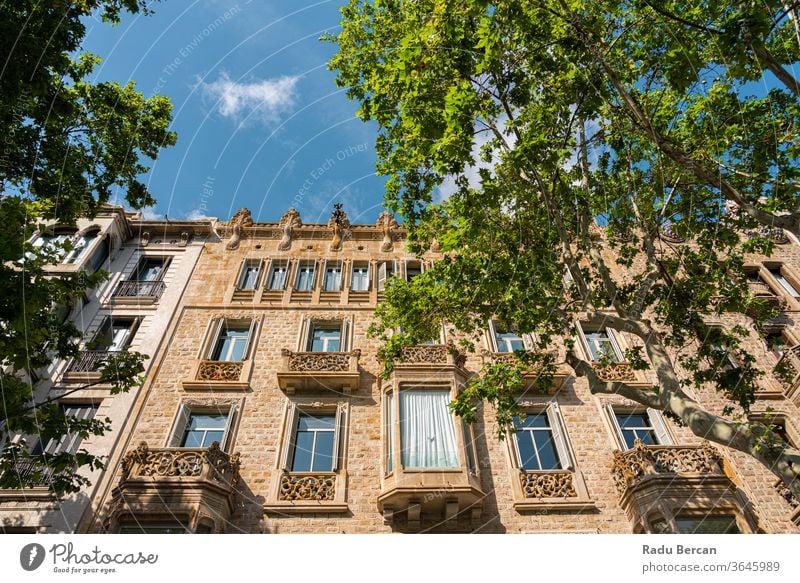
(582, 140)
(67, 143)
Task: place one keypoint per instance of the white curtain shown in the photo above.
(427, 429)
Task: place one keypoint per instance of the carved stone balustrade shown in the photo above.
(530, 374)
(433, 354)
(196, 485)
(637, 464)
(674, 479)
(616, 372)
(336, 371)
(216, 370)
(556, 484)
(308, 487)
(788, 371)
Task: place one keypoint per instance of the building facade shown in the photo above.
(264, 411)
(149, 264)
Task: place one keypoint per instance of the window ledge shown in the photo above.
(209, 385)
(306, 507)
(39, 493)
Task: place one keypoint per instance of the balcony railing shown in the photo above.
(615, 372)
(24, 469)
(89, 360)
(788, 368)
(306, 487)
(431, 354)
(531, 372)
(133, 288)
(218, 370)
(635, 465)
(210, 465)
(315, 370)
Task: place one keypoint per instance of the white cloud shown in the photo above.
(196, 214)
(260, 101)
(149, 214)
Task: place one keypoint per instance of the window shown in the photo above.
(360, 280)
(153, 528)
(79, 246)
(600, 343)
(709, 524)
(305, 277)
(776, 342)
(325, 337)
(413, 269)
(150, 269)
(333, 277)
(114, 334)
(504, 340)
(277, 276)
(248, 278)
(385, 270)
(777, 273)
(53, 243)
(200, 427)
(313, 446)
(72, 441)
(231, 341)
(427, 431)
(648, 426)
(539, 442)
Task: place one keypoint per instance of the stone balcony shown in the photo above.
(529, 374)
(197, 486)
(671, 479)
(309, 371)
(787, 370)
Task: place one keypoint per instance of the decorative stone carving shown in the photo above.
(144, 240)
(242, 218)
(386, 223)
(340, 225)
(788, 368)
(184, 240)
(777, 234)
(289, 222)
(616, 372)
(432, 354)
(320, 487)
(320, 361)
(632, 466)
(548, 485)
(786, 494)
(435, 246)
(213, 370)
(210, 463)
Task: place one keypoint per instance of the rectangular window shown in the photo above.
(647, 426)
(114, 334)
(413, 269)
(385, 271)
(785, 284)
(277, 276)
(325, 337)
(428, 438)
(305, 277)
(232, 341)
(360, 281)
(251, 269)
(314, 443)
(535, 443)
(333, 277)
(199, 428)
(707, 524)
(389, 432)
(601, 343)
(150, 269)
(72, 441)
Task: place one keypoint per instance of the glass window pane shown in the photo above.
(193, 439)
(278, 278)
(201, 421)
(304, 445)
(323, 452)
(707, 525)
(211, 437)
(538, 420)
(527, 454)
(547, 450)
(633, 420)
(427, 429)
(307, 422)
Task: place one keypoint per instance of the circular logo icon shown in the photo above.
(31, 556)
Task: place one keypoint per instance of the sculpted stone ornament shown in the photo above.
(387, 223)
(242, 218)
(340, 225)
(289, 222)
(548, 485)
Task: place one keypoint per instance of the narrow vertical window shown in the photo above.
(277, 276)
(360, 281)
(305, 277)
(333, 278)
(249, 276)
(428, 438)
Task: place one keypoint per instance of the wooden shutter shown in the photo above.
(179, 427)
(493, 337)
(582, 339)
(382, 276)
(338, 436)
(211, 342)
(612, 417)
(559, 436)
(227, 438)
(660, 428)
(289, 436)
(344, 342)
(251, 334)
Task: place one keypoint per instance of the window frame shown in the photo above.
(367, 265)
(109, 320)
(332, 266)
(494, 326)
(247, 264)
(270, 274)
(460, 463)
(301, 265)
(307, 331)
(183, 416)
(615, 343)
(136, 272)
(657, 422)
(295, 409)
(215, 337)
(71, 442)
(559, 435)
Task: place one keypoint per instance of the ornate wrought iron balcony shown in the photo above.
(89, 361)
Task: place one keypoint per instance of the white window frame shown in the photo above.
(292, 418)
(274, 265)
(217, 330)
(560, 440)
(655, 417)
(184, 414)
(383, 272)
(248, 264)
(615, 344)
(777, 271)
(301, 265)
(81, 243)
(329, 268)
(307, 330)
(143, 259)
(361, 265)
(527, 339)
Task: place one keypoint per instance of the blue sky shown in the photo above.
(260, 122)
